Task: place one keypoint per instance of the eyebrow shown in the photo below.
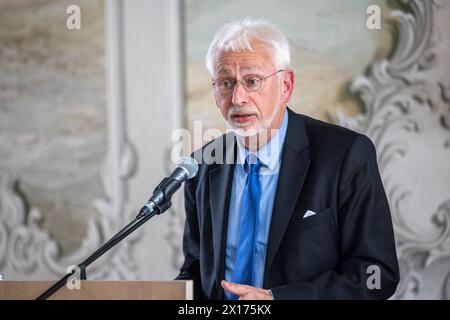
(226, 70)
(252, 67)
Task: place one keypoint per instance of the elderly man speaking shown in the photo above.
(288, 207)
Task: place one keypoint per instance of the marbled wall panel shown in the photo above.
(52, 110)
(330, 44)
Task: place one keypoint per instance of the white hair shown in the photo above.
(237, 36)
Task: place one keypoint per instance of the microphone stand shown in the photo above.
(145, 214)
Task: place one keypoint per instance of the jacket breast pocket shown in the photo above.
(312, 221)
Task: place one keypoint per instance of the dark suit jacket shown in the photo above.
(324, 168)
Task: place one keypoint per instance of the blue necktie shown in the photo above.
(244, 264)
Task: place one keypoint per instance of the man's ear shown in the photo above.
(214, 93)
(215, 99)
(288, 85)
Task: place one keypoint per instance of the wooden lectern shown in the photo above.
(100, 290)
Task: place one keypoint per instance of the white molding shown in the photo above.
(174, 50)
(175, 87)
(27, 251)
(403, 102)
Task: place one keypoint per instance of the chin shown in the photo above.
(249, 129)
(246, 131)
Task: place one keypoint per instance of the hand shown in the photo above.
(246, 292)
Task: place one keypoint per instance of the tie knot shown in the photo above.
(252, 164)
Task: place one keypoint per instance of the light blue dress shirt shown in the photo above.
(270, 157)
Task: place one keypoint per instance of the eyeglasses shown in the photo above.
(250, 82)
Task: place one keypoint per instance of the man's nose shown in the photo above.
(240, 95)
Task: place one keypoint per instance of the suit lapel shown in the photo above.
(220, 182)
(294, 168)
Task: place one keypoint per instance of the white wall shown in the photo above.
(153, 111)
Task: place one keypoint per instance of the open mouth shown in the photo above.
(243, 118)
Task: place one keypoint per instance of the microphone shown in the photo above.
(157, 204)
(186, 168)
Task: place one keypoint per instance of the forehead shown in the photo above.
(258, 59)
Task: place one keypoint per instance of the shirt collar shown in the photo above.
(270, 153)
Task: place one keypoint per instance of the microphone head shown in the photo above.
(190, 165)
